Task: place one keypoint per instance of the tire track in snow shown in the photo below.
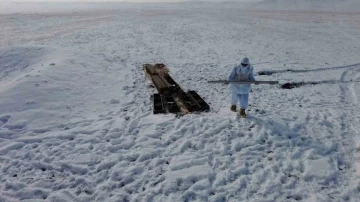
(350, 135)
(355, 122)
(271, 72)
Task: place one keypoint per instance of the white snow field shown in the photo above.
(76, 120)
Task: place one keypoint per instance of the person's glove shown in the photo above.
(226, 83)
(256, 83)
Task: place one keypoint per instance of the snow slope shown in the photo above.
(76, 121)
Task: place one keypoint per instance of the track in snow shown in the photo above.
(292, 85)
(271, 72)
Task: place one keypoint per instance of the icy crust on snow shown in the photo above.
(76, 120)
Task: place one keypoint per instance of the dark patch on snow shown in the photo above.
(88, 192)
(5, 118)
(260, 111)
(291, 85)
(266, 73)
(122, 184)
(296, 197)
(30, 102)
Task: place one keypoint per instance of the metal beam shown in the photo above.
(245, 82)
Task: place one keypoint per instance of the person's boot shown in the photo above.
(242, 113)
(233, 108)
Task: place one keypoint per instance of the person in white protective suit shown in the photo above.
(240, 92)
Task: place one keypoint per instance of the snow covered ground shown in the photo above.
(76, 120)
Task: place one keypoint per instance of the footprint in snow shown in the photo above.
(5, 119)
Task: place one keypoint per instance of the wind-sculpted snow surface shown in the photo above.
(76, 121)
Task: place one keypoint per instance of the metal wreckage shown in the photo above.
(171, 98)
